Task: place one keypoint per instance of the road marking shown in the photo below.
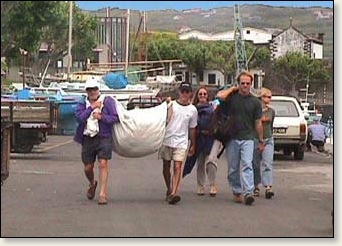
(57, 145)
(32, 172)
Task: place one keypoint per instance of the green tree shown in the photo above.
(221, 56)
(28, 24)
(193, 53)
(162, 46)
(22, 25)
(56, 33)
(295, 69)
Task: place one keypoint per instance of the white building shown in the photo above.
(292, 40)
(208, 77)
(256, 36)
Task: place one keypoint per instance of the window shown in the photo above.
(285, 108)
(211, 79)
(201, 76)
(179, 76)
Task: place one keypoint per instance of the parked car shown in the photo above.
(289, 127)
(143, 102)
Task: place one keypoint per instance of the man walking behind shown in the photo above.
(183, 118)
(245, 109)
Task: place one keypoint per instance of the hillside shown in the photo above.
(307, 20)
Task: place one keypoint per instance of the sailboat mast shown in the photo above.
(70, 40)
(127, 42)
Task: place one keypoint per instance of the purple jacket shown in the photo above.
(109, 117)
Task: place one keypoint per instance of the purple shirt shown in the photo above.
(109, 117)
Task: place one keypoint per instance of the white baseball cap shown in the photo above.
(92, 83)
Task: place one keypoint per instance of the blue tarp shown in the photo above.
(115, 80)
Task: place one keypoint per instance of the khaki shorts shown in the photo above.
(168, 153)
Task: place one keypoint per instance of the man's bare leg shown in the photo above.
(104, 172)
(89, 172)
(167, 176)
(177, 169)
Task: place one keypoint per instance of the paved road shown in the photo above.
(44, 196)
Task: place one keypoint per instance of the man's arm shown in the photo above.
(260, 131)
(223, 94)
(110, 116)
(192, 141)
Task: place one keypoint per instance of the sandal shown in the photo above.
(256, 192)
(173, 199)
(102, 200)
(213, 191)
(91, 191)
(200, 191)
(168, 193)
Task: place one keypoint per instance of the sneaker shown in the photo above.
(269, 193)
(249, 199)
(200, 190)
(91, 191)
(256, 192)
(238, 198)
(173, 199)
(213, 190)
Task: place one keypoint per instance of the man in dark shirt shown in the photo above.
(245, 110)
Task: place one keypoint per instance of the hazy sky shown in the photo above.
(149, 5)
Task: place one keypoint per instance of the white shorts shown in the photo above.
(172, 154)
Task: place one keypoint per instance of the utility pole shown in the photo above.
(70, 40)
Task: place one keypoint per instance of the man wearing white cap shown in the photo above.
(96, 115)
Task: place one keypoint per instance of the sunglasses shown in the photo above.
(267, 96)
(245, 83)
(202, 94)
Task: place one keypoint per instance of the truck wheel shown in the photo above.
(298, 153)
(23, 148)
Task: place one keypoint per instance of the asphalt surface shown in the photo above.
(45, 196)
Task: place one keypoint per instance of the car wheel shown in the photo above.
(287, 151)
(298, 153)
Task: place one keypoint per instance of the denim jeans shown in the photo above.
(263, 163)
(240, 152)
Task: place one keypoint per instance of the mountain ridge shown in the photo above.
(308, 20)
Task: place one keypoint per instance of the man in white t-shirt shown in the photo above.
(183, 121)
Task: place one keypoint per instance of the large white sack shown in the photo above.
(140, 131)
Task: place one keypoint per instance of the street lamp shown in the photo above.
(23, 54)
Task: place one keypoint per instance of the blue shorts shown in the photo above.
(96, 146)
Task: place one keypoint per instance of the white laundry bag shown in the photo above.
(140, 131)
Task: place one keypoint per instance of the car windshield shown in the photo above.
(285, 109)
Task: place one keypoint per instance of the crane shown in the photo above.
(240, 51)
